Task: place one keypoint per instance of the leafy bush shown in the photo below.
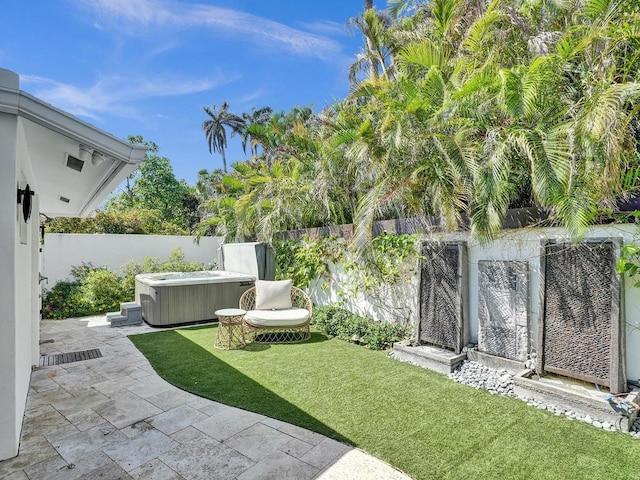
(629, 263)
(350, 327)
(64, 300)
(305, 260)
(103, 290)
(175, 262)
(380, 335)
(133, 221)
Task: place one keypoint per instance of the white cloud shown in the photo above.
(326, 27)
(131, 15)
(115, 95)
(250, 97)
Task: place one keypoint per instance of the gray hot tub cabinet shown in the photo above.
(176, 304)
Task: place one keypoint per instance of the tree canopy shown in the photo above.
(459, 110)
(152, 201)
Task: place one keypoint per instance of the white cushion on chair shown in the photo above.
(277, 318)
(273, 295)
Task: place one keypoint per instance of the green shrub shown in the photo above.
(380, 335)
(103, 290)
(305, 260)
(175, 262)
(80, 272)
(326, 319)
(349, 327)
(64, 300)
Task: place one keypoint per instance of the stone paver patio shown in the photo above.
(114, 418)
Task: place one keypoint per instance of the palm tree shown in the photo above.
(378, 45)
(215, 131)
(260, 117)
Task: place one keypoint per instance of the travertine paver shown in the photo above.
(57, 468)
(176, 419)
(225, 424)
(46, 423)
(81, 400)
(170, 398)
(258, 441)
(85, 419)
(296, 447)
(140, 449)
(113, 417)
(96, 439)
(205, 458)
(305, 435)
(280, 466)
(155, 470)
(126, 408)
(325, 453)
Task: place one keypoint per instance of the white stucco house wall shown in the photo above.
(60, 166)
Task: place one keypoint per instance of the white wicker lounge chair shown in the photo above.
(277, 325)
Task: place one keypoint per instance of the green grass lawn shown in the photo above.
(419, 421)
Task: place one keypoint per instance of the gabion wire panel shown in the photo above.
(579, 285)
(503, 314)
(441, 320)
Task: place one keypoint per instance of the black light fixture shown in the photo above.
(24, 199)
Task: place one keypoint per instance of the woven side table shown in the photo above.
(230, 334)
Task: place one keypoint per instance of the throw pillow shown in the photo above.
(273, 295)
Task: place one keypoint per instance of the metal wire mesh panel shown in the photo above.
(503, 318)
(578, 310)
(441, 296)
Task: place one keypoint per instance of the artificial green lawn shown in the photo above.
(419, 421)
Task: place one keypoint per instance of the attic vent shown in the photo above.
(74, 163)
(64, 199)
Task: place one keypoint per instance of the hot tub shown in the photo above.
(178, 298)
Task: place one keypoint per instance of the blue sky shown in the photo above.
(149, 67)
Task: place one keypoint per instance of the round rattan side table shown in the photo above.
(230, 334)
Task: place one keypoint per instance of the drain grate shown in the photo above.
(60, 358)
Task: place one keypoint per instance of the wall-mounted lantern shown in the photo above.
(24, 199)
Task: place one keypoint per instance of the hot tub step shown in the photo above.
(131, 310)
(130, 314)
(117, 316)
(124, 321)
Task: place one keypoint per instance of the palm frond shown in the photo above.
(425, 53)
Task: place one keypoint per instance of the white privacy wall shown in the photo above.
(515, 245)
(62, 251)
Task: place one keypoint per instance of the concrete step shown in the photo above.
(111, 316)
(135, 315)
(124, 321)
(427, 356)
(131, 309)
